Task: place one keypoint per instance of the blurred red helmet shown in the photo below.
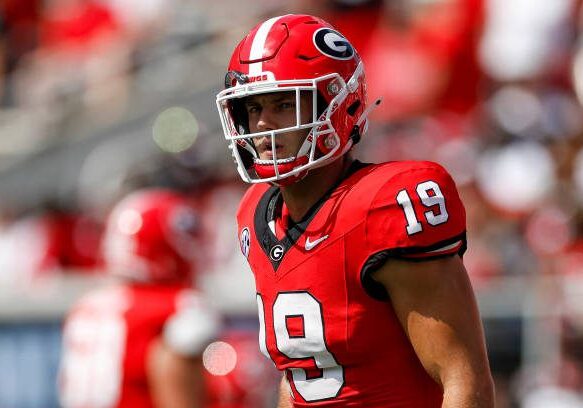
(151, 236)
(300, 54)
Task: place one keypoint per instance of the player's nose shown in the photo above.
(266, 120)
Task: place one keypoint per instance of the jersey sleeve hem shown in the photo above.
(449, 247)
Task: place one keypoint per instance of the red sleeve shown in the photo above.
(417, 213)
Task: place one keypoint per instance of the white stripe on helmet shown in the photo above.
(258, 45)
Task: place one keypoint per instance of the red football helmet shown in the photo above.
(295, 53)
(151, 236)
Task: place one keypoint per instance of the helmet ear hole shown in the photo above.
(351, 110)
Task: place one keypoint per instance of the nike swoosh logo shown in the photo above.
(311, 244)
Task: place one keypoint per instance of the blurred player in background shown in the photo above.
(236, 373)
(362, 295)
(138, 343)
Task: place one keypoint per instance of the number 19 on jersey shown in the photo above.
(310, 345)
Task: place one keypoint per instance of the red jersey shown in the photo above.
(107, 336)
(323, 318)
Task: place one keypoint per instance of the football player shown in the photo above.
(362, 295)
(138, 343)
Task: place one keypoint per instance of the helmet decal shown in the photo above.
(258, 45)
(333, 44)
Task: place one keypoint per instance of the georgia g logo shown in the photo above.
(333, 44)
(276, 253)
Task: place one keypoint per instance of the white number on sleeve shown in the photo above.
(413, 226)
(430, 195)
(311, 345)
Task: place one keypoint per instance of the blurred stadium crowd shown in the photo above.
(99, 98)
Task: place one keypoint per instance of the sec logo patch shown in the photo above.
(245, 241)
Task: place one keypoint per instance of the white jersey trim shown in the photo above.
(445, 248)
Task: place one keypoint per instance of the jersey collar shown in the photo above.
(269, 210)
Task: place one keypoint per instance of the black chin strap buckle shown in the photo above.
(355, 134)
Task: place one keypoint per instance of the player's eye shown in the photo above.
(252, 109)
(287, 105)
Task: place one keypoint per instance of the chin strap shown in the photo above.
(356, 134)
(368, 110)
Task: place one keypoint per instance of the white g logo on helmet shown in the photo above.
(332, 44)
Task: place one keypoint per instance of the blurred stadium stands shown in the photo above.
(99, 97)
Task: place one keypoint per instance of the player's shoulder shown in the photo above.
(416, 212)
(160, 298)
(416, 165)
(400, 170)
(107, 298)
(373, 179)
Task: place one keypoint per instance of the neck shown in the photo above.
(302, 195)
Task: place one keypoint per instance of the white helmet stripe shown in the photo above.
(258, 44)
